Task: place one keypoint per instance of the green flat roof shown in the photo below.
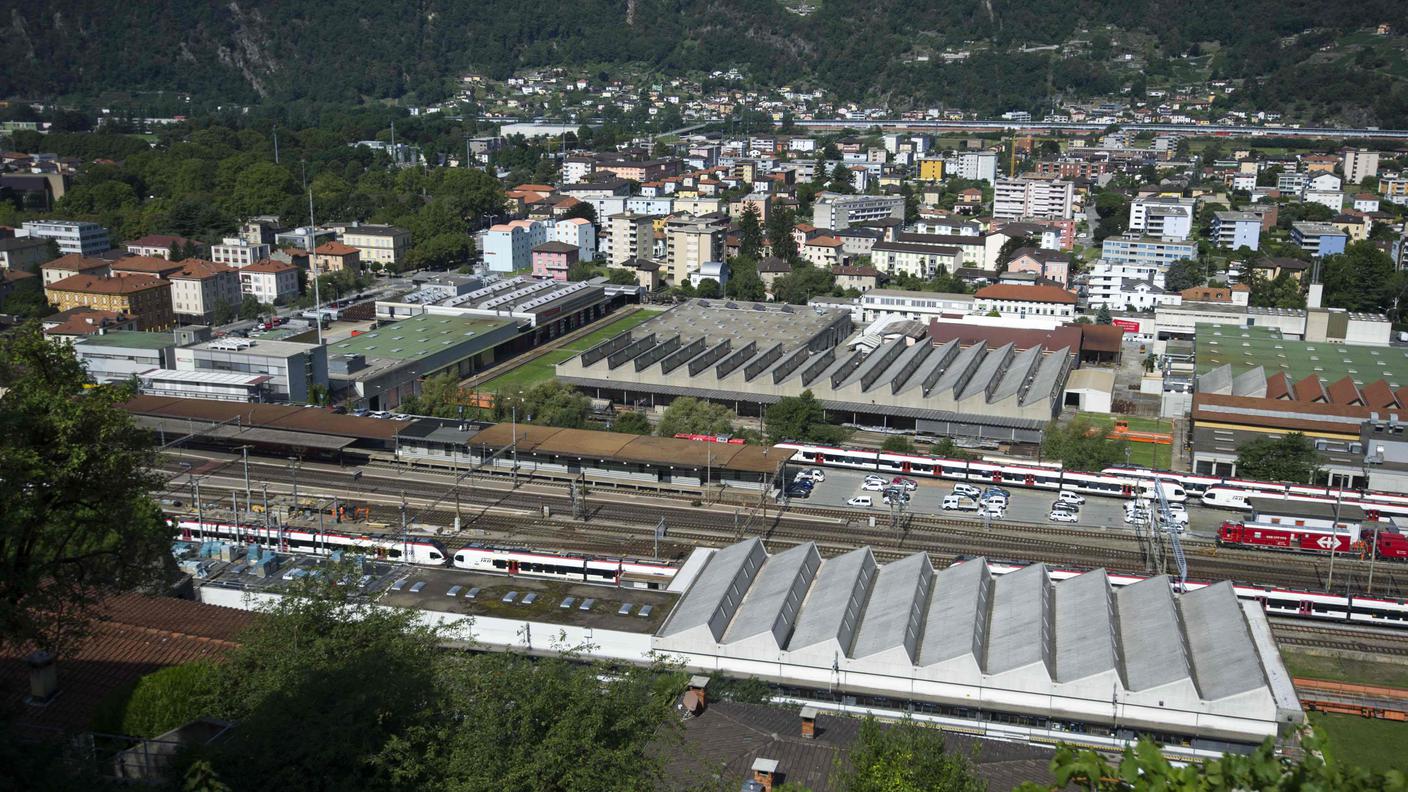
(1246, 348)
(417, 336)
(134, 339)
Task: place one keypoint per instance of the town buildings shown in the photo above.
(23, 254)
(82, 238)
(382, 244)
(269, 281)
(1018, 198)
(1236, 230)
(238, 252)
(144, 298)
(200, 288)
(1146, 250)
(839, 211)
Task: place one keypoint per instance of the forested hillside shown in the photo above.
(340, 50)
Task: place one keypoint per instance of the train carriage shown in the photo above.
(423, 552)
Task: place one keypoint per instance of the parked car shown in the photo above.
(1066, 496)
(1136, 516)
(993, 509)
(1063, 516)
(873, 486)
(879, 479)
(991, 491)
(861, 500)
(798, 492)
(818, 475)
(907, 483)
(967, 490)
(959, 503)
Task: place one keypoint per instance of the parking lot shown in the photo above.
(1024, 505)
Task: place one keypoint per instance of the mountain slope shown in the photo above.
(340, 50)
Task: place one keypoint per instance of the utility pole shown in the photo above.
(293, 466)
(244, 449)
(513, 469)
(660, 531)
(405, 540)
(200, 510)
(276, 144)
(1335, 537)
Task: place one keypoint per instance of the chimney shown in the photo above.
(43, 677)
(809, 722)
(765, 772)
(697, 684)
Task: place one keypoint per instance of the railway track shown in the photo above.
(428, 493)
(1340, 639)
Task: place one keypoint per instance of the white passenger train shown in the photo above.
(417, 550)
(626, 573)
(1034, 475)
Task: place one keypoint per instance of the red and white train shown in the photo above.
(626, 573)
(419, 550)
(1034, 475)
(1360, 539)
(1230, 493)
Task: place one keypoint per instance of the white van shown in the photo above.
(959, 503)
(968, 490)
(863, 501)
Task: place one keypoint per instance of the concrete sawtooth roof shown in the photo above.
(894, 616)
(1023, 365)
(1219, 380)
(718, 590)
(1019, 621)
(1085, 624)
(990, 369)
(1047, 377)
(1224, 657)
(956, 370)
(1150, 636)
(956, 624)
(940, 358)
(773, 600)
(832, 608)
(1251, 382)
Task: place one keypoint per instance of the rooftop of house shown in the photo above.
(107, 284)
(1248, 348)
(1021, 293)
(415, 337)
(335, 249)
(131, 339)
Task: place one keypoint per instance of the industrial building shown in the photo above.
(750, 355)
(381, 368)
(543, 309)
(1078, 655)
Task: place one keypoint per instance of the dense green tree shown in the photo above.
(898, 443)
(750, 233)
(1291, 457)
(1362, 278)
(744, 283)
(906, 757)
(1081, 445)
(1184, 275)
(223, 314)
(1102, 316)
(1144, 768)
(26, 300)
(631, 423)
(76, 518)
(440, 396)
(549, 404)
(803, 283)
(1283, 291)
(708, 288)
(159, 701)
(688, 415)
(250, 307)
(583, 210)
(780, 225)
(1113, 209)
(1009, 250)
(801, 418)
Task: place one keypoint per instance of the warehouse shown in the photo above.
(1198, 669)
(748, 355)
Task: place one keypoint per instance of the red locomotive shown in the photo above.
(1359, 539)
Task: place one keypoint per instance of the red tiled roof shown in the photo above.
(269, 265)
(1311, 389)
(1278, 386)
(147, 265)
(76, 262)
(132, 635)
(335, 249)
(1378, 395)
(119, 284)
(1065, 336)
(1008, 291)
(1344, 391)
(199, 269)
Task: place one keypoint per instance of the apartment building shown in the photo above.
(1130, 249)
(72, 236)
(688, 245)
(838, 211)
(1128, 287)
(577, 232)
(160, 245)
(73, 264)
(631, 236)
(1014, 199)
(383, 244)
(1236, 229)
(1169, 219)
(145, 299)
(1319, 239)
(918, 260)
(336, 257)
(201, 287)
(1014, 301)
(292, 368)
(919, 306)
(238, 252)
(269, 281)
(552, 260)
(23, 254)
(1359, 164)
(973, 165)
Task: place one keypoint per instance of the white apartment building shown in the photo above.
(576, 169)
(1131, 249)
(1169, 219)
(1128, 287)
(291, 367)
(973, 165)
(839, 211)
(72, 236)
(921, 306)
(269, 281)
(380, 243)
(630, 236)
(1236, 229)
(918, 260)
(578, 232)
(1334, 199)
(508, 247)
(200, 288)
(1291, 183)
(1020, 302)
(1014, 199)
(1360, 164)
(237, 252)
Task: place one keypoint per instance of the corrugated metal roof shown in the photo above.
(1150, 636)
(1224, 659)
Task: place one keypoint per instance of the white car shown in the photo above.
(881, 480)
(1066, 496)
(873, 486)
(993, 510)
(861, 500)
(1136, 516)
(968, 490)
(817, 474)
(998, 501)
(1061, 515)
